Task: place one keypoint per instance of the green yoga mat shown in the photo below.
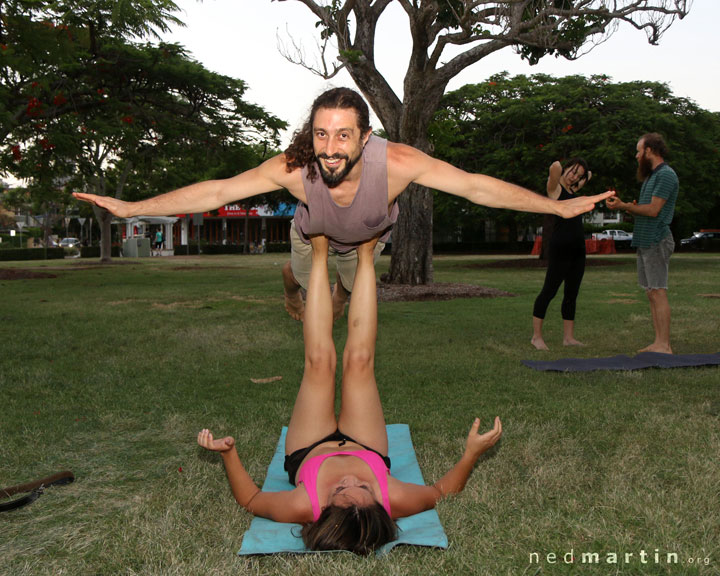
(424, 529)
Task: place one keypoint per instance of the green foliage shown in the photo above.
(86, 105)
(94, 251)
(17, 254)
(566, 36)
(515, 127)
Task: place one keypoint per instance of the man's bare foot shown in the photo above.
(572, 342)
(539, 343)
(294, 305)
(661, 348)
(293, 299)
(339, 298)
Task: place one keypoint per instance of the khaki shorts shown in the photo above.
(653, 264)
(345, 263)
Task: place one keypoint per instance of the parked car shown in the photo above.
(70, 242)
(617, 235)
(703, 240)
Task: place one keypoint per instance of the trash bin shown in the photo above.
(136, 247)
(143, 247)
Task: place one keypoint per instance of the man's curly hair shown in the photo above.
(300, 153)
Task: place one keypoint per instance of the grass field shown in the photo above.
(110, 371)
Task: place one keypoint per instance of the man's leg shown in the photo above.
(346, 269)
(660, 309)
(339, 298)
(653, 266)
(293, 299)
(296, 274)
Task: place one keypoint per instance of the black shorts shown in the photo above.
(293, 461)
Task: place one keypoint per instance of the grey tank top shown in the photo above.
(367, 215)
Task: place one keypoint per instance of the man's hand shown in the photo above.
(478, 444)
(206, 440)
(614, 202)
(117, 207)
(580, 205)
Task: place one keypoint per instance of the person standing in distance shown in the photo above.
(652, 237)
(566, 253)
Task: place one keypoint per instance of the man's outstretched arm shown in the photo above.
(407, 164)
(204, 196)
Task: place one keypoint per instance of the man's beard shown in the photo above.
(332, 179)
(644, 168)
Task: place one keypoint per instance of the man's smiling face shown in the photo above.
(337, 143)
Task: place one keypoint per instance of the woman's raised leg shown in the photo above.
(313, 416)
(361, 414)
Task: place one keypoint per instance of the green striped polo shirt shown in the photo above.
(663, 183)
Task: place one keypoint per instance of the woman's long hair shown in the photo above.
(300, 153)
(577, 161)
(359, 530)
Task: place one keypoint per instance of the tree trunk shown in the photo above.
(548, 225)
(104, 219)
(412, 249)
(246, 229)
(411, 261)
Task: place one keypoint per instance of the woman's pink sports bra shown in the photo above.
(307, 475)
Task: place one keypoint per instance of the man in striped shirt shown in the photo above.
(653, 213)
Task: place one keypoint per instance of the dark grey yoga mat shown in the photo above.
(622, 362)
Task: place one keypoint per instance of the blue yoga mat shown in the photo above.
(424, 529)
(622, 362)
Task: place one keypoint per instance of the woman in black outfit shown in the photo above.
(566, 254)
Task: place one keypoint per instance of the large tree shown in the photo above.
(83, 102)
(515, 127)
(447, 37)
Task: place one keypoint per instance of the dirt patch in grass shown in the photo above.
(537, 263)
(437, 291)
(21, 274)
(207, 268)
(449, 291)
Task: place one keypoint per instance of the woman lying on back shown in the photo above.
(344, 494)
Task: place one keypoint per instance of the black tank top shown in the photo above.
(568, 234)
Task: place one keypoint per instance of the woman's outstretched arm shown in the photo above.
(285, 506)
(407, 499)
(476, 445)
(243, 487)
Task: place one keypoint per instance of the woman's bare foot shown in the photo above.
(572, 342)
(539, 343)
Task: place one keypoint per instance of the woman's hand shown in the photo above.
(206, 440)
(478, 444)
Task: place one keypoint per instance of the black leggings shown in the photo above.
(561, 268)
